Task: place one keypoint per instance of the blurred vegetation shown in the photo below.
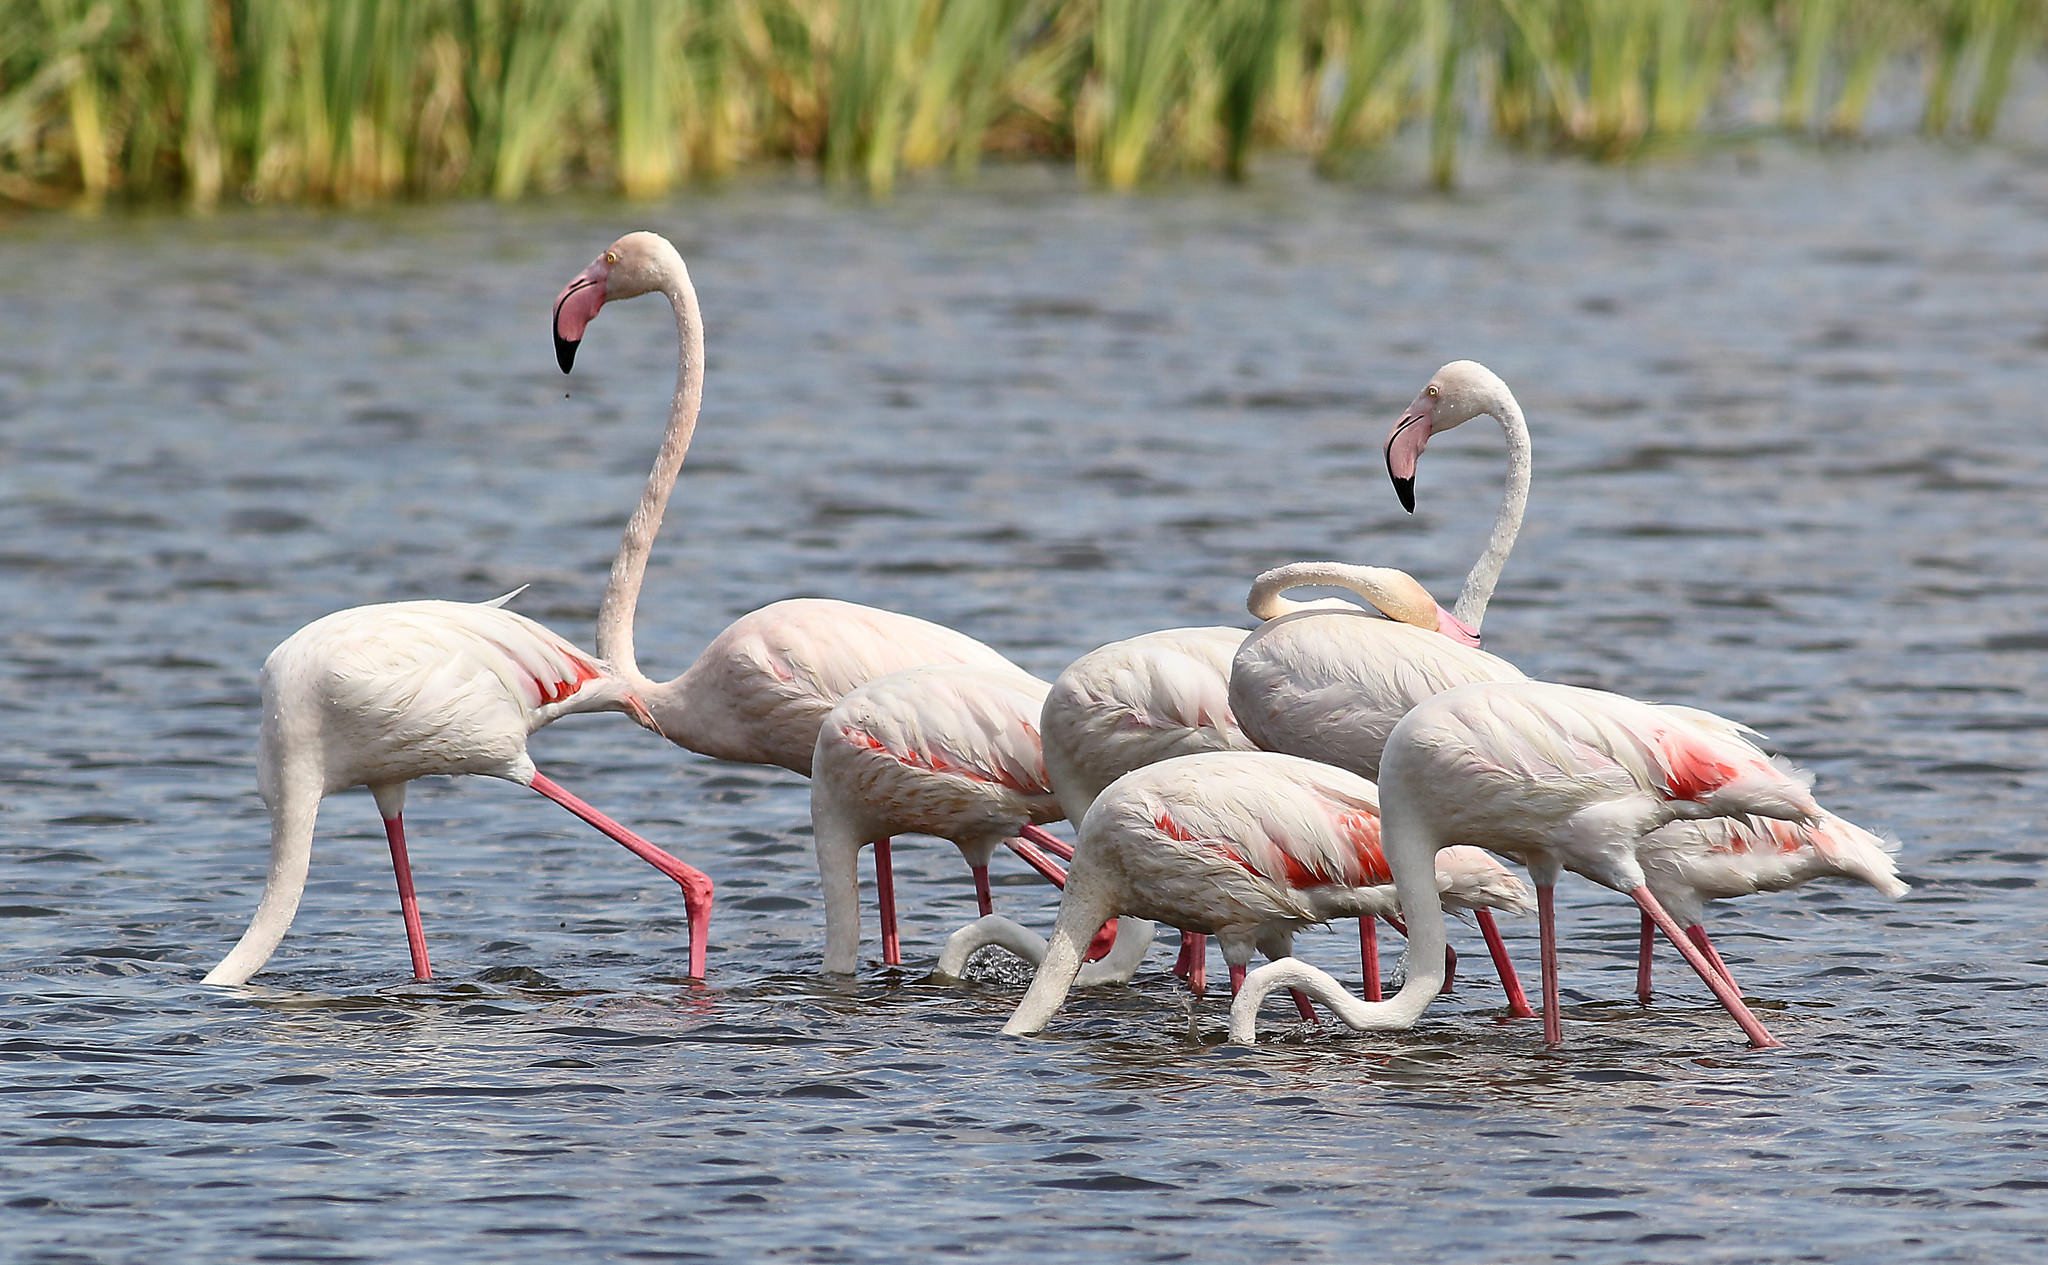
(355, 101)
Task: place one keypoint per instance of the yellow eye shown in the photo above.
(612, 257)
(1431, 392)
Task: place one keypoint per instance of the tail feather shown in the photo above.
(1860, 854)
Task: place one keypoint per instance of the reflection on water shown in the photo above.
(1788, 466)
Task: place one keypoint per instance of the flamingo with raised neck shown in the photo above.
(759, 691)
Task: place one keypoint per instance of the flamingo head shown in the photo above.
(636, 264)
(1460, 391)
(1402, 598)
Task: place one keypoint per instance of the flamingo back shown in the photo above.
(945, 750)
(759, 692)
(1136, 702)
(1239, 837)
(1523, 761)
(1330, 685)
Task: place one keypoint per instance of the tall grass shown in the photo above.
(365, 100)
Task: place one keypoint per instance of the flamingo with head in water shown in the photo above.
(379, 695)
(1248, 846)
(1153, 697)
(948, 751)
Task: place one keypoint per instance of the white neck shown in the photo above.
(291, 847)
(837, 841)
(1265, 600)
(1507, 523)
(629, 570)
(1084, 907)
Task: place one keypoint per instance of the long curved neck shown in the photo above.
(629, 569)
(291, 847)
(1266, 601)
(1507, 523)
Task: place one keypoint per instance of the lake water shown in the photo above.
(1790, 465)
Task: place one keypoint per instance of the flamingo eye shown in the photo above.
(611, 256)
(1431, 391)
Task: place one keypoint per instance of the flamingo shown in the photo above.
(379, 695)
(1152, 697)
(1690, 863)
(950, 751)
(759, 691)
(1561, 778)
(1331, 684)
(1248, 846)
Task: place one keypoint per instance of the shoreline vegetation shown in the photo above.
(350, 102)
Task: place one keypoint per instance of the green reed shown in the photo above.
(352, 101)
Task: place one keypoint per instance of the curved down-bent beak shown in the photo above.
(1404, 449)
(574, 307)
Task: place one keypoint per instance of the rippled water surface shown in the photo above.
(1790, 465)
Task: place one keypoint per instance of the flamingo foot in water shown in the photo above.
(696, 884)
(1504, 966)
(1647, 941)
(885, 896)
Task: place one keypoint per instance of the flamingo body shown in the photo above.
(377, 696)
(949, 751)
(759, 692)
(1242, 845)
(1561, 778)
(1330, 685)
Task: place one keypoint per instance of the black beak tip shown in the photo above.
(1405, 489)
(565, 352)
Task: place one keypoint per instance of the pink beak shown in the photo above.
(1404, 450)
(1456, 629)
(574, 307)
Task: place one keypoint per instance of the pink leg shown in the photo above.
(1546, 933)
(1050, 842)
(408, 904)
(885, 896)
(982, 896)
(1369, 957)
(1759, 1037)
(1644, 993)
(695, 883)
(1236, 979)
(1198, 967)
(1698, 935)
(1185, 962)
(1504, 966)
(1048, 869)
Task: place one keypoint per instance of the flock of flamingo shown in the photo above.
(1346, 759)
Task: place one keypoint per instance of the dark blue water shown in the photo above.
(1790, 465)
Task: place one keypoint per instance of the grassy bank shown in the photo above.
(362, 100)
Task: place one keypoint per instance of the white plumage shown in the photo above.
(1247, 846)
(945, 751)
(379, 695)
